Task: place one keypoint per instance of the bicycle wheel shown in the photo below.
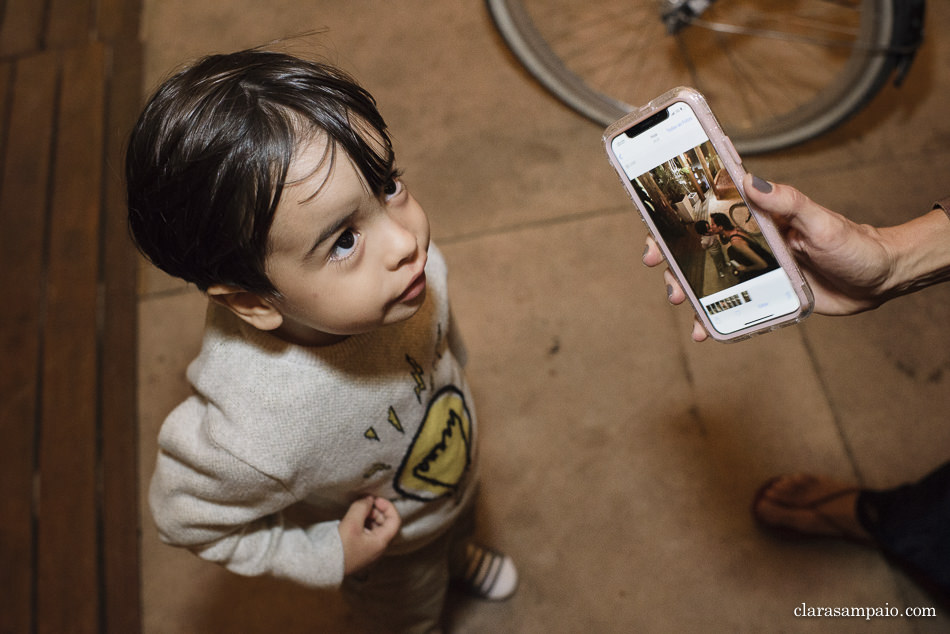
(776, 72)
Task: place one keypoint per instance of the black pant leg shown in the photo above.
(911, 523)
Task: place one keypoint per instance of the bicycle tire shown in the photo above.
(853, 82)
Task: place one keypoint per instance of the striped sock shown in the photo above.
(488, 573)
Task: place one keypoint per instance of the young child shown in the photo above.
(331, 437)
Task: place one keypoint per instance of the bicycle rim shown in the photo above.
(793, 70)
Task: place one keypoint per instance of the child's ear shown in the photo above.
(249, 306)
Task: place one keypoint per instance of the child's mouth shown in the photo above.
(415, 288)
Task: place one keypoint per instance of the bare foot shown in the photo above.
(810, 505)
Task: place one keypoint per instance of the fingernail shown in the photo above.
(669, 291)
(646, 249)
(762, 185)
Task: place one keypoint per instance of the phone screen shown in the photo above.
(697, 211)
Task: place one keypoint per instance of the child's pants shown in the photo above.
(406, 593)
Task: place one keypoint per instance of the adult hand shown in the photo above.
(850, 267)
(652, 256)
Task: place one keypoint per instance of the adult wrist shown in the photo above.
(920, 251)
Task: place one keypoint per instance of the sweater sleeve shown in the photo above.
(208, 500)
(456, 343)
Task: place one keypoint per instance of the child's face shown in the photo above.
(343, 261)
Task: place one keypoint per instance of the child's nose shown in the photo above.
(403, 247)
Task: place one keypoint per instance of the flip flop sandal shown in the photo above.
(837, 530)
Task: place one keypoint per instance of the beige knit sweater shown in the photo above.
(256, 468)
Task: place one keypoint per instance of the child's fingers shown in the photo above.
(371, 512)
(387, 513)
(379, 512)
(366, 529)
(375, 518)
(361, 508)
(359, 514)
(386, 507)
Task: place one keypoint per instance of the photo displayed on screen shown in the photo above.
(697, 211)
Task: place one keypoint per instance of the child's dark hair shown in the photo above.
(208, 159)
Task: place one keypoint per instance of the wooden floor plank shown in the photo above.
(119, 412)
(70, 23)
(23, 203)
(117, 20)
(6, 94)
(69, 553)
(22, 28)
(67, 540)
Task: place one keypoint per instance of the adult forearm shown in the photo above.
(921, 253)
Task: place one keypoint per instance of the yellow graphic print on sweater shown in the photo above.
(441, 452)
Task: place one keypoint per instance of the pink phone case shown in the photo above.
(731, 163)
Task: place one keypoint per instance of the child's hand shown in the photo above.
(367, 528)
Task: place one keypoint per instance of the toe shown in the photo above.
(809, 505)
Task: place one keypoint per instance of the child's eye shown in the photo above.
(392, 189)
(345, 245)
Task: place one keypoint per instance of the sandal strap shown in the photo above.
(814, 507)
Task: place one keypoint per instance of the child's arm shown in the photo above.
(366, 529)
(212, 502)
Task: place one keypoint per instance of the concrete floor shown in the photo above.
(619, 457)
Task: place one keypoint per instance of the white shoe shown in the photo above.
(489, 574)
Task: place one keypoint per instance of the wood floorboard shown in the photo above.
(23, 204)
(70, 80)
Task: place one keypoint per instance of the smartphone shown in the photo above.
(685, 178)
